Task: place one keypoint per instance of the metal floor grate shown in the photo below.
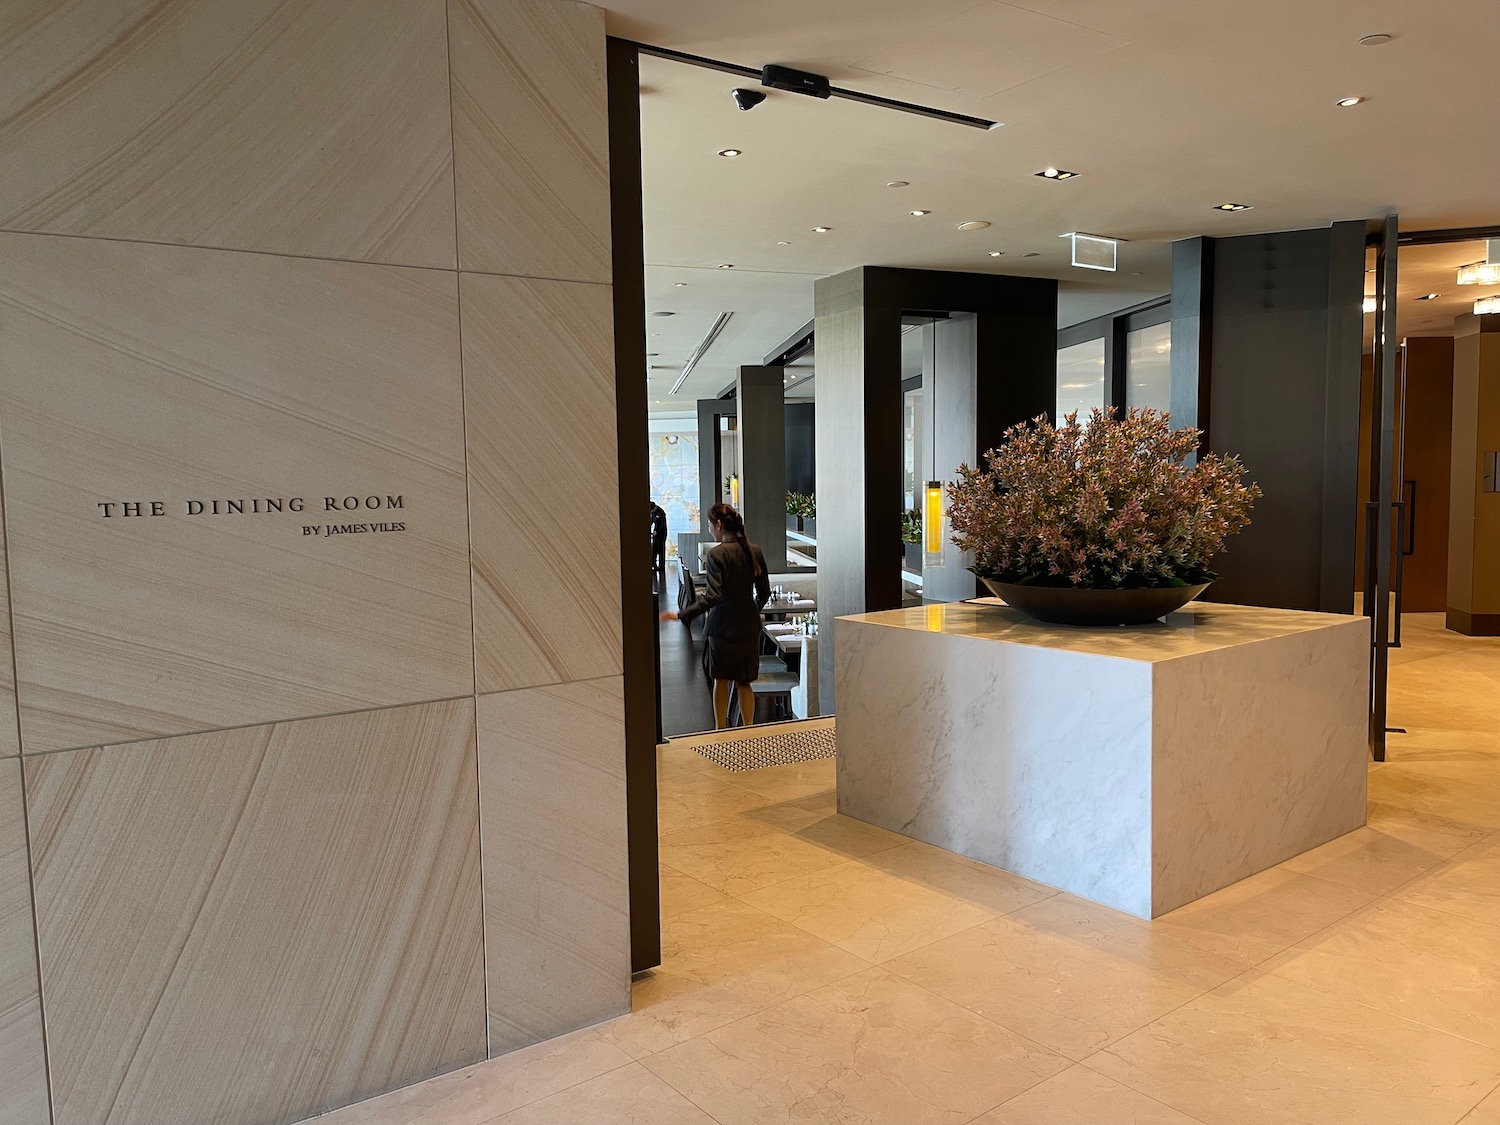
(757, 752)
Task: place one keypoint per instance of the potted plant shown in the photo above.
(1105, 522)
(801, 509)
(911, 539)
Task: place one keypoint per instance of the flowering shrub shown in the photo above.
(1108, 504)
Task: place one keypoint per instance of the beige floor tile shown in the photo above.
(478, 1094)
(681, 893)
(1453, 790)
(1448, 974)
(674, 761)
(1486, 1112)
(720, 964)
(869, 1050)
(1263, 1049)
(997, 891)
(1438, 834)
(1468, 884)
(1079, 1096)
(1260, 916)
(1367, 859)
(870, 913)
(699, 799)
(742, 855)
(791, 782)
(631, 1095)
(1068, 974)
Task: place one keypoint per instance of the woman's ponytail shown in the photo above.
(731, 521)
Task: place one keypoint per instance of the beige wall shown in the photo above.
(1474, 543)
(304, 817)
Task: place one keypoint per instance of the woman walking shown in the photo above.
(737, 588)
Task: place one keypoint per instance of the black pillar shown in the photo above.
(760, 396)
(860, 403)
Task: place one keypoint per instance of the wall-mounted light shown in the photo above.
(1370, 304)
(734, 490)
(932, 518)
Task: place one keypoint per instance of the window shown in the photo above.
(1148, 366)
(1080, 379)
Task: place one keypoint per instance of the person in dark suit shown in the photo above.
(658, 538)
(737, 588)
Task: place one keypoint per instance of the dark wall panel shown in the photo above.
(1285, 397)
(801, 447)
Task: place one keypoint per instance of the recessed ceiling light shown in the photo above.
(679, 285)
(1033, 254)
(1232, 207)
(652, 355)
(973, 224)
(1428, 297)
(1051, 173)
(996, 253)
(821, 230)
(1347, 102)
(1375, 40)
(783, 244)
(899, 183)
(726, 265)
(730, 152)
(919, 214)
(663, 314)
(1136, 273)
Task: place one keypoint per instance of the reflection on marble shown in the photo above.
(539, 391)
(1198, 627)
(552, 810)
(136, 373)
(871, 1049)
(292, 911)
(23, 1069)
(317, 129)
(1191, 756)
(1262, 1049)
(531, 129)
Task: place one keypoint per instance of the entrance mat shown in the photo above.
(781, 748)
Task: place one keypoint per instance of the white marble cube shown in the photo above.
(1139, 767)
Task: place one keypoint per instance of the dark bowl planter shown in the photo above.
(794, 523)
(1068, 606)
(913, 557)
(809, 527)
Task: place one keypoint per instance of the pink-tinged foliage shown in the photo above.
(1110, 503)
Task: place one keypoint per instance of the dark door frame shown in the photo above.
(638, 602)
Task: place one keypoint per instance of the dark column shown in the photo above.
(1279, 386)
(638, 603)
(801, 448)
(710, 470)
(860, 403)
(760, 395)
(1192, 331)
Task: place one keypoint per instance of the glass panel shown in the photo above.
(1148, 366)
(1080, 378)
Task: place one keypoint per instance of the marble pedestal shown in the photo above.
(1140, 767)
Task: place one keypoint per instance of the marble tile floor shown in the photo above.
(818, 970)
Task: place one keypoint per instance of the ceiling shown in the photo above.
(1166, 107)
(1434, 269)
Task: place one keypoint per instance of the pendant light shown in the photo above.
(1486, 272)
